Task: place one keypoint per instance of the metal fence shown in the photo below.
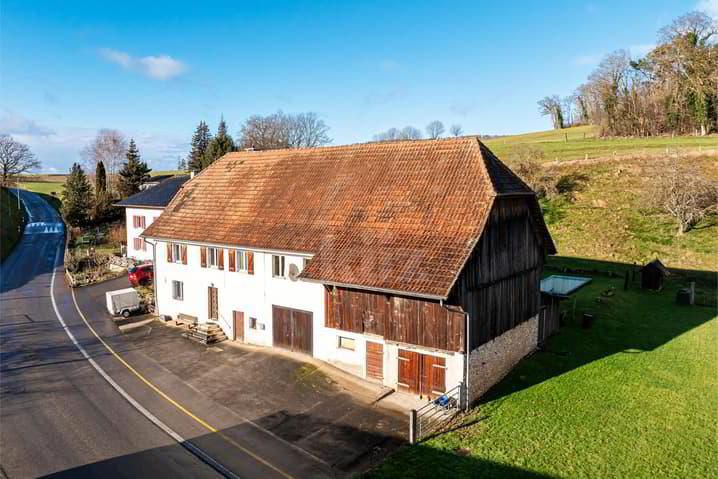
(435, 415)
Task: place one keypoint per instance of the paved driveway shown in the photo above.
(269, 395)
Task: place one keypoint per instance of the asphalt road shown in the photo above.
(58, 415)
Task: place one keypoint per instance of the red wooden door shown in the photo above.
(432, 376)
(238, 317)
(409, 371)
(374, 360)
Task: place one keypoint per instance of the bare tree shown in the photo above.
(406, 133)
(435, 129)
(15, 159)
(551, 105)
(109, 147)
(685, 194)
(456, 130)
(280, 130)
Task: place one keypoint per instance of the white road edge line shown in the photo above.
(203, 456)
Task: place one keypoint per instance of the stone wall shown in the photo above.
(491, 361)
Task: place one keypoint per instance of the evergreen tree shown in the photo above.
(181, 164)
(102, 197)
(100, 179)
(219, 145)
(200, 142)
(134, 172)
(77, 200)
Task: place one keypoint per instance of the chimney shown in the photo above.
(191, 174)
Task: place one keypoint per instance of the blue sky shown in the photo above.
(154, 69)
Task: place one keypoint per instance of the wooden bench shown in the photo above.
(186, 320)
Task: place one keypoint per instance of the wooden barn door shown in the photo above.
(422, 374)
(238, 318)
(292, 329)
(374, 360)
(409, 371)
(212, 303)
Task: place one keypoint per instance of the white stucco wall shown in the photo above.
(150, 214)
(255, 294)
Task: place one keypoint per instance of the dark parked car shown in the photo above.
(141, 274)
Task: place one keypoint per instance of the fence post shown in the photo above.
(412, 426)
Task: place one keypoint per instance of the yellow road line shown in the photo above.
(179, 406)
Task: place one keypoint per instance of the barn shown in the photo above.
(414, 264)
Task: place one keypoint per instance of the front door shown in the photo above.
(292, 329)
(212, 303)
(238, 318)
(374, 360)
(422, 374)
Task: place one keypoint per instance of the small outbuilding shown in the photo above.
(653, 274)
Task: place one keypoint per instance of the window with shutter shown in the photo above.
(184, 254)
(137, 243)
(169, 252)
(203, 256)
(231, 260)
(250, 262)
(220, 258)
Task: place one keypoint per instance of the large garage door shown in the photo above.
(292, 329)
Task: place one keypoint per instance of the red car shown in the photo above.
(140, 275)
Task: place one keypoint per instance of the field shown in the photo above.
(11, 220)
(634, 396)
(582, 142)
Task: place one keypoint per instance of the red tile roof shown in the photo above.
(397, 216)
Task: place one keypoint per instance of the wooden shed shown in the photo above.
(653, 274)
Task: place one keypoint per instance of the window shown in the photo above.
(176, 253)
(138, 221)
(139, 244)
(177, 290)
(213, 257)
(347, 343)
(243, 260)
(253, 323)
(277, 266)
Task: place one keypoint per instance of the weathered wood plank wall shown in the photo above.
(499, 285)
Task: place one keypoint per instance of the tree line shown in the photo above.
(434, 130)
(259, 132)
(671, 90)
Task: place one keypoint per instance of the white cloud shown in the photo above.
(160, 67)
(12, 123)
(708, 6)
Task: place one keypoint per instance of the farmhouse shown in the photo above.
(415, 264)
(141, 209)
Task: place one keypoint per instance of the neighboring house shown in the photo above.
(415, 264)
(143, 208)
(154, 181)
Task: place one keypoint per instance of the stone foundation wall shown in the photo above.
(490, 362)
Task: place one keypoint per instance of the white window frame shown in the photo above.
(346, 343)
(282, 263)
(213, 257)
(176, 253)
(242, 261)
(175, 296)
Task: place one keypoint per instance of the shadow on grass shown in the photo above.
(631, 321)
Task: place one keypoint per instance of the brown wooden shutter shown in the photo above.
(232, 259)
(169, 252)
(250, 262)
(203, 256)
(220, 258)
(183, 252)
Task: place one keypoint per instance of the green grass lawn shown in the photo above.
(47, 188)
(11, 221)
(583, 142)
(636, 396)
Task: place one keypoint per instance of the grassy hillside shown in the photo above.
(635, 396)
(11, 221)
(583, 142)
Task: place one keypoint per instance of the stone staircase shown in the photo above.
(205, 333)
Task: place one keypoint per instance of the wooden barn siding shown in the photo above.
(499, 286)
(396, 318)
